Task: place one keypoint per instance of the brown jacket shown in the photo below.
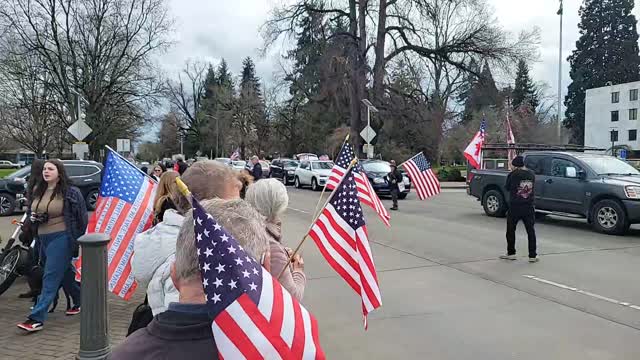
(293, 281)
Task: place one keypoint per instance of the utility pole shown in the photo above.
(561, 13)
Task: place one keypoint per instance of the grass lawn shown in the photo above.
(5, 172)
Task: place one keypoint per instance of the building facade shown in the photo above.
(611, 116)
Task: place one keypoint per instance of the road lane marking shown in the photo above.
(583, 292)
(298, 210)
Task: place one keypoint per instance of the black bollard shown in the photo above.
(94, 323)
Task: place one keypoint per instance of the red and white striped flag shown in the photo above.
(124, 209)
(254, 317)
(366, 193)
(511, 140)
(340, 233)
(422, 176)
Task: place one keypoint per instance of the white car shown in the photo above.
(312, 173)
(238, 165)
(4, 164)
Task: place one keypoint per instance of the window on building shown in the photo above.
(615, 97)
(633, 95)
(633, 135)
(614, 135)
(615, 115)
(633, 114)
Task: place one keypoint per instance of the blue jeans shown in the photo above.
(56, 253)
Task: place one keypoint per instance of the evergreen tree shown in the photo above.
(524, 93)
(224, 77)
(607, 50)
(210, 83)
(250, 120)
(483, 94)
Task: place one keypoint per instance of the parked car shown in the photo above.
(602, 189)
(86, 175)
(312, 173)
(238, 164)
(266, 168)
(377, 171)
(5, 164)
(284, 170)
(225, 161)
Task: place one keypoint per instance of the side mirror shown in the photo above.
(571, 172)
(582, 175)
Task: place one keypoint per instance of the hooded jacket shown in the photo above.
(154, 252)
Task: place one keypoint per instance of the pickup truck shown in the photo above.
(602, 189)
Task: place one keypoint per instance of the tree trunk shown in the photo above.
(379, 65)
(355, 100)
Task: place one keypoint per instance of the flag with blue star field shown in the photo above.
(254, 317)
(123, 210)
(340, 233)
(366, 193)
(423, 178)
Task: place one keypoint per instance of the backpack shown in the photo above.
(141, 317)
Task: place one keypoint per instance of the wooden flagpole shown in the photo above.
(315, 218)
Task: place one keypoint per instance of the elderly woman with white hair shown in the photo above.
(270, 198)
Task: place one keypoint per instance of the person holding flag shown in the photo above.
(473, 152)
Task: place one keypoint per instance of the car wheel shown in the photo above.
(7, 204)
(609, 217)
(92, 199)
(314, 185)
(402, 196)
(494, 204)
(296, 183)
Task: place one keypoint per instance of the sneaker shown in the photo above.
(30, 325)
(394, 208)
(73, 311)
(509, 257)
(533, 260)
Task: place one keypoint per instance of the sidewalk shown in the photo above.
(60, 337)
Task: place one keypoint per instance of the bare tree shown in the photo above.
(101, 49)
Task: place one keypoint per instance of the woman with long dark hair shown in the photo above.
(60, 214)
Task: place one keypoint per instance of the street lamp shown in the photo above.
(370, 108)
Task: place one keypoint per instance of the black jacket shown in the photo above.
(394, 177)
(521, 187)
(170, 335)
(257, 172)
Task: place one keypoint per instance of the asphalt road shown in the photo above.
(446, 295)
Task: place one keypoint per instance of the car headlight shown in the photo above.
(291, 172)
(632, 192)
(406, 180)
(378, 180)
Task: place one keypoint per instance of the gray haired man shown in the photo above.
(184, 330)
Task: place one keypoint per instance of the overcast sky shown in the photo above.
(209, 30)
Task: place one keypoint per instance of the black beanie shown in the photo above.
(518, 161)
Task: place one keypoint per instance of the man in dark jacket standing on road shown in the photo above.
(520, 185)
(256, 172)
(395, 177)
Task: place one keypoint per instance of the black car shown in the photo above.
(86, 175)
(283, 169)
(377, 171)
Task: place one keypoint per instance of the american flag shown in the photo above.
(254, 317)
(340, 233)
(422, 176)
(366, 193)
(124, 209)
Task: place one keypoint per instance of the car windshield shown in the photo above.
(239, 163)
(377, 167)
(22, 173)
(610, 166)
(290, 163)
(322, 165)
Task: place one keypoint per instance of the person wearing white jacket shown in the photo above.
(154, 249)
(153, 255)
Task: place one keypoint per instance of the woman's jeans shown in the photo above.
(56, 253)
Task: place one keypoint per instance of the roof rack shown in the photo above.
(539, 147)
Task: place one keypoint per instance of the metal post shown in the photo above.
(94, 321)
(217, 139)
(560, 80)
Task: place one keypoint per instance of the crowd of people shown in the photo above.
(165, 257)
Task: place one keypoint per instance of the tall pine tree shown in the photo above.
(524, 93)
(607, 50)
(250, 118)
(483, 94)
